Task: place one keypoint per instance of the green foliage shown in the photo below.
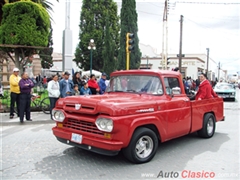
(93, 20)
(46, 54)
(109, 64)
(129, 24)
(24, 23)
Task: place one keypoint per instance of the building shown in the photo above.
(192, 64)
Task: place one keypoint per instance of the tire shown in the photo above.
(45, 105)
(144, 140)
(209, 125)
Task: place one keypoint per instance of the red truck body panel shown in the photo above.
(170, 116)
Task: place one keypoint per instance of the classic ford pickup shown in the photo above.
(139, 109)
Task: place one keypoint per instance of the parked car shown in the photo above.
(225, 90)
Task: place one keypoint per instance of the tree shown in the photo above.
(129, 24)
(93, 21)
(46, 54)
(109, 64)
(24, 23)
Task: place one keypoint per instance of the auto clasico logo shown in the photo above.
(186, 174)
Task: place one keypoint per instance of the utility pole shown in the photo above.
(164, 48)
(67, 42)
(180, 45)
(207, 61)
(218, 71)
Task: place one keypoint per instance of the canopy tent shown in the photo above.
(87, 73)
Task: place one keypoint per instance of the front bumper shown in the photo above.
(97, 145)
(225, 96)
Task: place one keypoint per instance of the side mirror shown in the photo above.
(176, 90)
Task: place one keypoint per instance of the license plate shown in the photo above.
(76, 138)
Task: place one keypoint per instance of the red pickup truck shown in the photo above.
(139, 109)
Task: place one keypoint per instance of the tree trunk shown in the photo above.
(17, 62)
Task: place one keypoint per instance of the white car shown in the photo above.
(225, 90)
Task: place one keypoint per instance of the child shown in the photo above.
(85, 90)
(76, 91)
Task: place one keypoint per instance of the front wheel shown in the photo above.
(142, 147)
(45, 105)
(208, 128)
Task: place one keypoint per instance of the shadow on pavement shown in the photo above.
(77, 163)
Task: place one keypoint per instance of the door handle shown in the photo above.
(185, 100)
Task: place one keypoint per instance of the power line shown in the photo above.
(156, 5)
(209, 27)
(149, 13)
(219, 3)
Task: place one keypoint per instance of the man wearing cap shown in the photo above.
(15, 91)
(66, 86)
(102, 83)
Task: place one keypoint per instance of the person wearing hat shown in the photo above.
(15, 91)
(66, 86)
(102, 83)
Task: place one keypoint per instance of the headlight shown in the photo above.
(58, 115)
(104, 124)
(233, 93)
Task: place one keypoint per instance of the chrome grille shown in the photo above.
(83, 126)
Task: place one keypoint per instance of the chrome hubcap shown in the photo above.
(210, 126)
(144, 147)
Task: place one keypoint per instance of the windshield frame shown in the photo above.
(136, 83)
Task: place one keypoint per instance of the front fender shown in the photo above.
(144, 121)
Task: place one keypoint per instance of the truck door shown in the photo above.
(178, 109)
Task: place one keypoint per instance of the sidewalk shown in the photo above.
(37, 118)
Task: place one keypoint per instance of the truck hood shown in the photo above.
(109, 104)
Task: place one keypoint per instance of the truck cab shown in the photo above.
(139, 110)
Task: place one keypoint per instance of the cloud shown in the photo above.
(213, 26)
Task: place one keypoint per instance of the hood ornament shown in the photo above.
(77, 106)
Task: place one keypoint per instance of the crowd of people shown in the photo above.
(61, 87)
(57, 87)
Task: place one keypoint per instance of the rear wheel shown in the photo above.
(45, 105)
(208, 128)
(142, 147)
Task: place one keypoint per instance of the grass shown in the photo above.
(6, 100)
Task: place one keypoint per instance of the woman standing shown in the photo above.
(53, 92)
(77, 80)
(26, 86)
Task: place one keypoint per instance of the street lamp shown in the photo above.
(207, 60)
(91, 46)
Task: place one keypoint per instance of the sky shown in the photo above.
(213, 24)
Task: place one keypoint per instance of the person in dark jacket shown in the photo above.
(102, 84)
(26, 86)
(77, 80)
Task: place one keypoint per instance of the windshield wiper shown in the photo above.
(115, 91)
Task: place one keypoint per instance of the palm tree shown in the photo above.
(46, 4)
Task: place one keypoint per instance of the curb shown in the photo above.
(27, 123)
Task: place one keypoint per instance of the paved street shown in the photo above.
(30, 151)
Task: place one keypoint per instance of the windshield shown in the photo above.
(224, 86)
(135, 83)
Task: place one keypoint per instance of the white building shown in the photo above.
(192, 64)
